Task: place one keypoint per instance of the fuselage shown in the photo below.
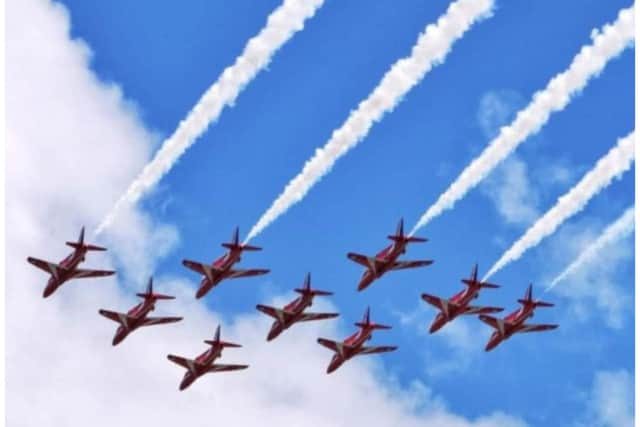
(349, 348)
(68, 264)
(203, 362)
(461, 301)
(511, 325)
(221, 267)
(293, 313)
(384, 261)
(135, 317)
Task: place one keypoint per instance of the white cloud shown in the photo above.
(510, 189)
(595, 291)
(73, 144)
(610, 402)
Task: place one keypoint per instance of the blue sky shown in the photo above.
(164, 56)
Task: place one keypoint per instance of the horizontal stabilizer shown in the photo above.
(371, 325)
(221, 343)
(232, 246)
(76, 246)
(471, 282)
(536, 303)
(402, 239)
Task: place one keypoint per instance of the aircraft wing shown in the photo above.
(380, 349)
(400, 265)
(276, 313)
(200, 268)
(362, 259)
(121, 318)
(317, 316)
(470, 309)
(46, 266)
(159, 320)
(536, 328)
(182, 361)
(79, 273)
(435, 301)
(234, 274)
(224, 368)
(331, 345)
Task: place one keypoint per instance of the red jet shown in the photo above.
(354, 345)
(386, 259)
(514, 322)
(459, 303)
(294, 311)
(204, 363)
(137, 316)
(68, 269)
(221, 268)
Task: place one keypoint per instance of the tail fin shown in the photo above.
(306, 289)
(528, 299)
(400, 236)
(235, 243)
(366, 322)
(217, 342)
(473, 280)
(148, 294)
(80, 244)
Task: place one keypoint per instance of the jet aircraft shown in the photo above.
(387, 259)
(514, 322)
(354, 344)
(221, 268)
(204, 364)
(137, 316)
(459, 303)
(293, 312)
(68, 269)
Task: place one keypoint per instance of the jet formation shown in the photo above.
(295, 311)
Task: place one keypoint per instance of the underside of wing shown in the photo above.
(536, 328)
(184, 362)
(198, 267)
(317, 316)
(360, 259)
(401, 265)
(159, 320)
(81, 273)
(46, 266)
(482, 310)
(234, 274)
(224, 368)
(276, 313)
(331, 345)
(121, 318)
(379, 349)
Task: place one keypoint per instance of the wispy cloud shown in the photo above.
(589, 62)
(618, 160)
(619, 229)
(431, 49)
(281, 25)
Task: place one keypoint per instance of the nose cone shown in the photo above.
(335, 364)
(120, 335)
(366, 280)
(274, 332)
(186, 381)
(437, 324)
(493, 343)
(52, 285)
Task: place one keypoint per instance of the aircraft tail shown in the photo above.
(367, 324)
(306, 289)
(216, 341)
(528, 299)
(400, 237)
(235, 244)
(148, 293)
(81, 245)
(473, 280)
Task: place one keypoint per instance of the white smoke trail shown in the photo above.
(618, 230)
(589, 62)
(612, 165)
(281, 25)
(430, 50)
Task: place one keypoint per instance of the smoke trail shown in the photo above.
(281, 25)
(612, 165)
(589, 62)
(618, 230)
(430, 50)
